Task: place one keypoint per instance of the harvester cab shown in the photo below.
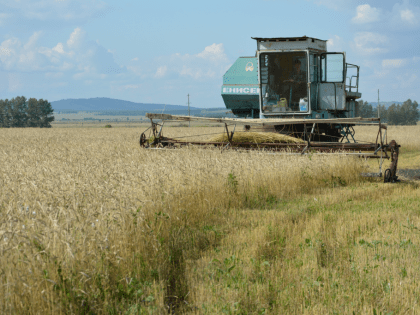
(292, 77)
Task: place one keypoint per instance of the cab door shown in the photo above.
(332, 84)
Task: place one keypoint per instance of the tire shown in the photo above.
(387, 176)
(142, 140)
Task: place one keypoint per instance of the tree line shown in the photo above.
(20, 112)
(406, 113)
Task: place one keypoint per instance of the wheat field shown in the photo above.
(90, 223)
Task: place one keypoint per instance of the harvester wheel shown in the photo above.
(143, 140)
(387, 176)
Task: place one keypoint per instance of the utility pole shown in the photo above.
(379, 116)
(189, 122)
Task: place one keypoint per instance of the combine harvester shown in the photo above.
(292, 87)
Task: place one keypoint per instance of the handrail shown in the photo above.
(350, 79)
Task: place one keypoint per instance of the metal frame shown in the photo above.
(156, 140)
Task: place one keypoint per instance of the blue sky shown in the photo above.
(159, 51)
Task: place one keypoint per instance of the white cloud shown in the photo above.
(380, 74)
(396, 77)
(5, 51)
(366, 14)
(404, 15)
(161, 71)
(408, 16)
(59, 48)
(32, 40)
(76, 38)
(78, 54)
(194, 73)
(214, 52)
(370, 43)
(393, 63)
(335, 43)
(210, 63)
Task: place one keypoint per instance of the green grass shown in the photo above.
(319, 254)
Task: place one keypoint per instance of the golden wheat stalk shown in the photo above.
(256, 137)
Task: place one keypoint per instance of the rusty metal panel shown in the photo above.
(264, 122)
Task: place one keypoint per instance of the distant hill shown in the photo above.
(109, 104)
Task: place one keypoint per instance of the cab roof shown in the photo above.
(286, 39)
